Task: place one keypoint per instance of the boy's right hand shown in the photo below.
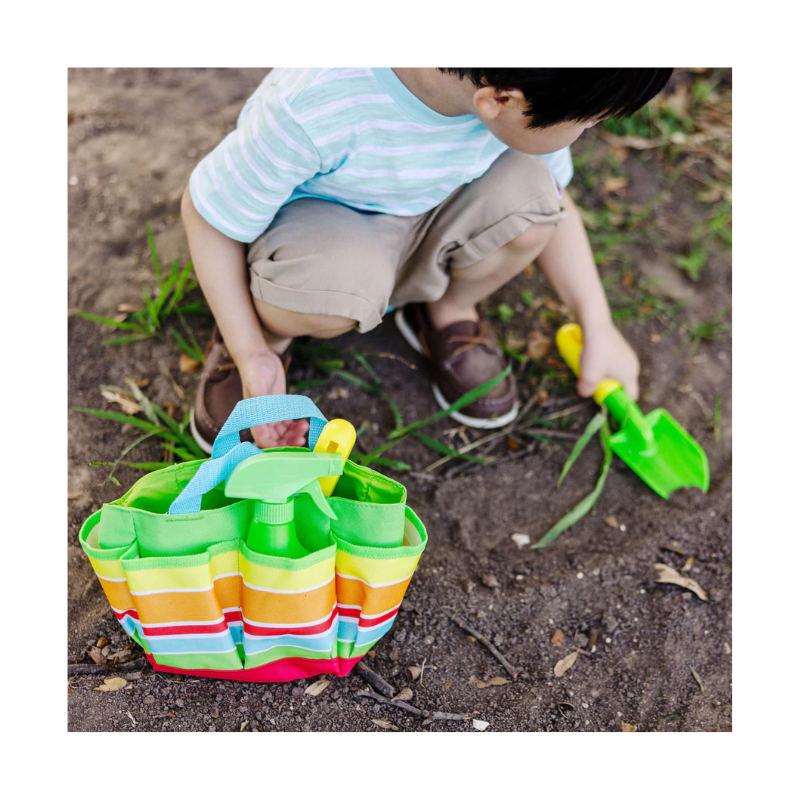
(263, 373)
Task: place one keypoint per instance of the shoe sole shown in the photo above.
(407, 332)
(204, 445)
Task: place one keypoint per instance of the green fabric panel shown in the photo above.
(385, 553)
(136, 561)
(278, 562)
(347, 649)
(369, 524)
(276, 653)
(368, 486)
(195, 661)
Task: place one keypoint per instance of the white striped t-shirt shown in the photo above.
(353, 136)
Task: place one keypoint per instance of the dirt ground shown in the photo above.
(134, 137)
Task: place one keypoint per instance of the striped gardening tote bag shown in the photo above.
(173, 559)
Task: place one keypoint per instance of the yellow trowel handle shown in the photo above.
(569, 341)
(338, 436)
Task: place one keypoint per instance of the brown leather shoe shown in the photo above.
(461, 357)
(219, 390)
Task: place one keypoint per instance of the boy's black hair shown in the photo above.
(573, 94)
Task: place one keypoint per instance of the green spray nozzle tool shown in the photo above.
(273, 480)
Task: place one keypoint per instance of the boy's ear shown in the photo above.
(490, 101)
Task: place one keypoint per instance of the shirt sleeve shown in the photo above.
(560, 164)
(240, 185)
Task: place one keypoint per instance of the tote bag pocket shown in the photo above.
(370, 585)
(289, 611)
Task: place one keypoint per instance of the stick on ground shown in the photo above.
(512, 671)
(93, 669)
(374, 680)
(390, 702)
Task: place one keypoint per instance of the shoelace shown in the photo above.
(468, 342)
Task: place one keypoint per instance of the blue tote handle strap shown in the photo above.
(210, 474)
(262, 410)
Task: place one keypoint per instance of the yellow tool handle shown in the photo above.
(338, 436)
(569, 341)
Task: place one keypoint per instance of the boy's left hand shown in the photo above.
(606, 354)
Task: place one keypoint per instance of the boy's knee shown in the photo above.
(532, 240)
(289, 324)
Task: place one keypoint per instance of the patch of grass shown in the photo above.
(709, 330)
(174, 435)
(505, 312)
(693, 262)
(588, 502)
(162, 308)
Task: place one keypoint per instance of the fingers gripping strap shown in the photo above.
(209, 475)
(262, 410)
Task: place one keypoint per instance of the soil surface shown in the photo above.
(646, 648)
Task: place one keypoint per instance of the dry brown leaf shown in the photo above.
(709, 196)
(74, 495)
(112, 685)
(614, 184)
(142, 382)
(413, 672)
(187, 365)
(566, 663)
(102, 642)
(385, 724)
(490, 581)
(541, 396)
(338, 393)
(127, 308)
(318, 687)
(618, 152)
(538, 344)
(125, 403)
(627, 727)
(515, 343)
(513, 444)
(611, 521)
(520, 539)
(627, 280)
(244, 725)
(479, 684)
(666, 574)
(655, 338)
(557, 639)
(96, 655)
(404, 694)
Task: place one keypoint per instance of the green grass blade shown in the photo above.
(185, 346)
(191, 338)
(469, 397)
(358, 382)
(184, 453)
(360, 458)
(588, 502)
(153, 323)
(370, 457)
(178, 292)
(127, 419)
(368, 368)
(137, 337)
(440, 447)
(591, 429)
(151, 241)
(124, 325)
(148, 466)
(138, 395)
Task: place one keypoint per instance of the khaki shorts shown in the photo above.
(320, 257)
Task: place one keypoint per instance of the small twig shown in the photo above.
(388, 701)
(374, 680)
(697, 678)
(487, 644)
(93, 669)
(444, 715)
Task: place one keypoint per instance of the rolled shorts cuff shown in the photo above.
(304, 301)
(500, 234)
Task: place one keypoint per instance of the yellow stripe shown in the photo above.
(201, 576)
(287, 579)
(372, 601)
(375, 570)
(107, 569)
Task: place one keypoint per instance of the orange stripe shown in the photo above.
(227, 591)
(284, 609)
(118, 595)
(372, 600)
(178, 607)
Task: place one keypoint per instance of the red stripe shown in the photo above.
(265, 630)
(285, 669)
(371, 623)
(233, 616)
(131, 612)
(177, 630)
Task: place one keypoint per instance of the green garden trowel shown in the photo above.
(654, 446)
